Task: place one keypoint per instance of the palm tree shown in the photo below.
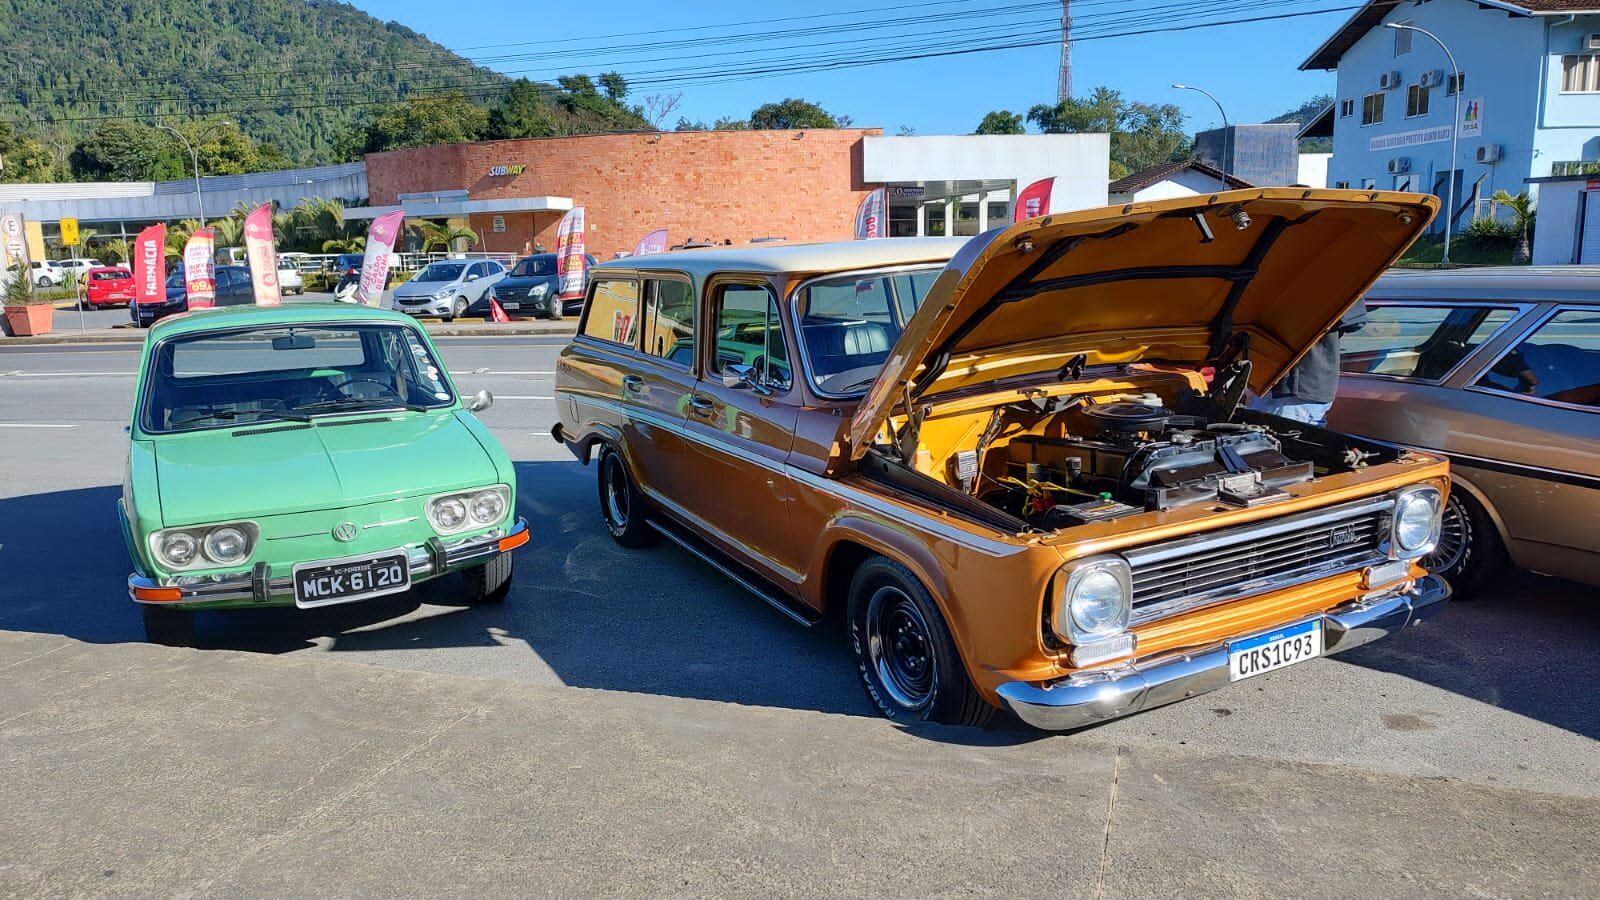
(445, 236)
(1523, 214)
(228, 232)
(345, 245)
(113, 252)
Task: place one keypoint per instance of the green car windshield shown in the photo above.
(293, 372)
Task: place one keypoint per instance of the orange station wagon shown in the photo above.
(1019, 465)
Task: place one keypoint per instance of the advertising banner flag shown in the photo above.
(199, 272)
(375, 264)
(654, 242)
(262, 257)
(1034, 201)
(13, 241)
(570, 262)
(150, 265)
(870, 218)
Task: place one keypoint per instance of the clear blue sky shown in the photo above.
(1252, 67)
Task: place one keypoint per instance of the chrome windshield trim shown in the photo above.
(792, 304)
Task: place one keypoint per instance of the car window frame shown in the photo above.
(637, 278)
(646, 315)
(792, 313)
(707, 355)
(1537, 322)
(1519, 312)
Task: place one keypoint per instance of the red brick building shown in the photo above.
(716, 186)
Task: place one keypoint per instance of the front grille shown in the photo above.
(1238, 562)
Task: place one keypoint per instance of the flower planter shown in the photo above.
(26, 321)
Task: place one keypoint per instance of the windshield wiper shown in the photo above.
(865, 382)
(354, 403)
(228, 415)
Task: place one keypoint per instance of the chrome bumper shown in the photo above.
(430, 560)
(1097, 696)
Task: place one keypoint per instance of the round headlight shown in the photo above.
(1099, 602)
(227, 545)
(1416, 518)
(179, 548)
(488, 507)
(449, 513)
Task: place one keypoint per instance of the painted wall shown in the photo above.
(1569, 124)
(1555, 237)
(1184, 184)
(1080, 163)
(1313, 169)
(138, 201)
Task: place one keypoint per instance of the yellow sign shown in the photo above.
(69, 232)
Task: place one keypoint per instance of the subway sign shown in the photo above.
(502, 171)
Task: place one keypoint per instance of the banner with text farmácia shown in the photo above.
(150, 265)
(570, 263)
(199, 269)
(870, 216)
(263, 258)
(375, 263)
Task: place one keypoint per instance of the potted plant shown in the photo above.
(28, 312)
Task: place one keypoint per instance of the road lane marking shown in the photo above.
(32, 425)
(21, 374)
(521, 397)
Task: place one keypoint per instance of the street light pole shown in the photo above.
(1227, 136)
(194, 157)
(1455, 128)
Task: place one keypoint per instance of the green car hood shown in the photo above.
(246, 473)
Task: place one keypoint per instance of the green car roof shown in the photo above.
(225, 317)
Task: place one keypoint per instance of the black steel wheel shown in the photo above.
(169, 626)
(621, 505)
(1469, 553)
(908, 662)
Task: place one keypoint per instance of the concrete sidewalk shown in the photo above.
(148, 771)
(130, 334)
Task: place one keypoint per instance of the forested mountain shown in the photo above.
(303, 75)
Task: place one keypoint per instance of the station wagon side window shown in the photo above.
(1560, 361)
(749, 332)
(1422, 342)
(612, 313)
(669, 321)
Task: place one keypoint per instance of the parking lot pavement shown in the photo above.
(1485, 704)
(140, 770)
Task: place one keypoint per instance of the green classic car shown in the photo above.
(305, 456)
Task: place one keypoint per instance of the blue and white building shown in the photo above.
(1527, 85)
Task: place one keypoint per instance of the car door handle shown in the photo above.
(632, 383)
(701, 404)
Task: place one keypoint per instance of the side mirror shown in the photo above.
(472, 277)
(481, 401)
(735, 375)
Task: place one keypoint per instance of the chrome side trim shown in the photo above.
(667, 531)
(791, 305)
(1088, 697)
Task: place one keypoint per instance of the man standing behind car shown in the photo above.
(1306, 393)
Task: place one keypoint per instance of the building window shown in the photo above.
(1369, 184)
(1416, 101)
(1580, 73)
(612, 313)
(1455, 84)
(1347, 108)
(1372, 109)
(1402, 39)
(1342, 185)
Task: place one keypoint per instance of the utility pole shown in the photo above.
(1064, 85)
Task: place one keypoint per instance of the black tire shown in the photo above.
(1470, 554)
(908, 662)
(490, 582)
(168, 626)
(457, 309)
(622, 507)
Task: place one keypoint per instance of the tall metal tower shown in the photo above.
(1064, 86)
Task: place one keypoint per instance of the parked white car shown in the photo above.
(46, 273)
(78, 267)
(289, 280)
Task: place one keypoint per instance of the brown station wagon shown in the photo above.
(1018, 465)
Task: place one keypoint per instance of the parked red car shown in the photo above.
(107, 286)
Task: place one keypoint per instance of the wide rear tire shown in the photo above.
(622, 507)
(908, 662)
(168, 626)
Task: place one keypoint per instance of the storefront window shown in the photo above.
(903, 220)
(966, 219)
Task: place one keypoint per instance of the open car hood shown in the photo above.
(1255, 274)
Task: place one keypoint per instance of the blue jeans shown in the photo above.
(1297, 410)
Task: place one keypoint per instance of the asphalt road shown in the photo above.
(1495, 693)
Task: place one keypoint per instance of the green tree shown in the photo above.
(1001, 122)
(1142, 134)
(445, 236)
(355, 244)
(792, 113)
(1523, 216)
(128, 151)
(615, 86)
(728, 123)
(589, 110)
(523, 112)
(425, 121)
(24, 159)
(228, 232)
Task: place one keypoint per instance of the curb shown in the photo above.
(132, 335)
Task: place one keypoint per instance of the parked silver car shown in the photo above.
(447, 288)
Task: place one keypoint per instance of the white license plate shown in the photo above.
(509, 305)
(328, 581)
(1274, 650)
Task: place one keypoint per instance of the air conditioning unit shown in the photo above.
(1399, 165)
(1389, 80)
(1490, 153)
(1592, 42)
(1432, 79)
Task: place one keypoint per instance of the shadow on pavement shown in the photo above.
(1526, 645)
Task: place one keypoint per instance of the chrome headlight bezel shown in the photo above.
(1424, 502)
(1072, 618)
(205, 555)
(469, 519)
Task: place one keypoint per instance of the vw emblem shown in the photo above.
(345, 532)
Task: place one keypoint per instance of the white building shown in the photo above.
(1178, 179)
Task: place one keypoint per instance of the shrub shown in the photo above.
(1487, 233)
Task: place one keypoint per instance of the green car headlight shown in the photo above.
(198, 546)
(178, 548)
(459, 511)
